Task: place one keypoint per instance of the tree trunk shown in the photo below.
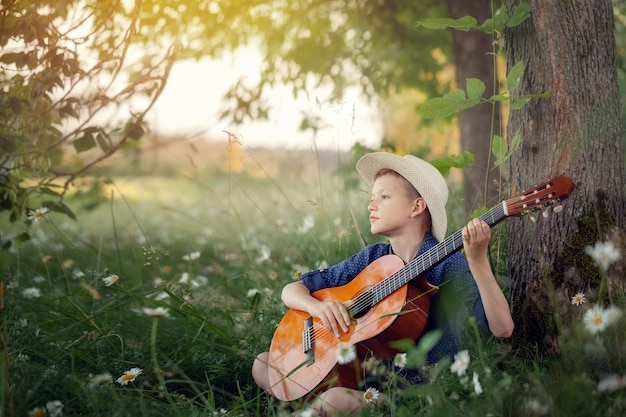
(473, 56)
(568, 49)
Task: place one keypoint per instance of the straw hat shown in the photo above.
(426, 179)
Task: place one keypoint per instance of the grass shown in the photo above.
(201, 261)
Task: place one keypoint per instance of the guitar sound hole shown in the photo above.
(362, 304)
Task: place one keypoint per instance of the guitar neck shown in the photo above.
(432, 257)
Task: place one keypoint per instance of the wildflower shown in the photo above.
(369, 364)
(612, 315)
(35, 215)
(536, 407)
(400, 360)
(31, 292)
(604, 253)
(308, 223)
(192, 256)
(100, 379)
(578, 299)
(78, 274)
(346, 354)
(308, 412)
(110, 280)
(461, 362)
(129, 376)
(595, 320)
(478, 389)
(220, 412)
(371, 395)
(156, 312)
(55, 408)
(612, 383)
(264, 256)
(37, 412)
(252, 292)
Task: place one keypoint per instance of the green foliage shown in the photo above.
(63, 74)
(200, 274)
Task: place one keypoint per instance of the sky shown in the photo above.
(190, 105)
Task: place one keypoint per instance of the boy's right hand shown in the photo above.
(333, 315)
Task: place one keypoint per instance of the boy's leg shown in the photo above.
(260, 371)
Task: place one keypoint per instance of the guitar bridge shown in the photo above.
(308, 340)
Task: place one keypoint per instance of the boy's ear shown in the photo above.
(419, 206)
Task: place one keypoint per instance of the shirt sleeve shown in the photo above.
(466, 290)
(345, 271)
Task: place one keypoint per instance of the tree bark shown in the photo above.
(568, 49)
(474, 58)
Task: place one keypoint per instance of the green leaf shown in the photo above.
(518, 103)
(464, 23)
(499, 147)
(135, 132)
(85, 143)
(522, 12)
(455, 96)
(22, 237)
(496, 23)
(104, 142)
(437, 108)
(514, 76)
(475, 88)
(454, 161)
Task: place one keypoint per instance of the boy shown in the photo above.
(408, 207)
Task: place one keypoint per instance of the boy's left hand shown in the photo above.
(476, 236)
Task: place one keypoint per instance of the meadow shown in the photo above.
(157, 298)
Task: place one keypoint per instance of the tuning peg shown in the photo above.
(558, 209)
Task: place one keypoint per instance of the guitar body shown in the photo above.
(400, 315)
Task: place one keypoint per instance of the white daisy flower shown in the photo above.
(461, 362)
(595, 319)
(156, 312)
(110, 280)
(308, 412)
(100, 379)
(346, 354)
(400, 360)
(55, 408)
(478, 389)
(129, 376)
(536, 407)
(192, 256)
(36, 215)
(612, 383)
(371, 395)
(31, 292)
(578, 299)
(604, 253)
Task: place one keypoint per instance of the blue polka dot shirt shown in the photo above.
(457, 298)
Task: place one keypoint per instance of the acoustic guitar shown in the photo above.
(383, 306)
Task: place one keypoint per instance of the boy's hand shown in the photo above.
(476, 236)
(333, 315)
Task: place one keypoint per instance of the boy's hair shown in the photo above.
(411, 192)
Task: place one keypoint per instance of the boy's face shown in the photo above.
(390, 207)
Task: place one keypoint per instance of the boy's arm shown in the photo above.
(332, 313)
(476, 236)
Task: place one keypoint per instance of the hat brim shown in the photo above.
(426, 179)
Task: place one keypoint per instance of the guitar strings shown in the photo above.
(413, 269)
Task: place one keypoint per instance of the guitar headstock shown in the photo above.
(549, 192)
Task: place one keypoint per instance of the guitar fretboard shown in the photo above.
(431, 258)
